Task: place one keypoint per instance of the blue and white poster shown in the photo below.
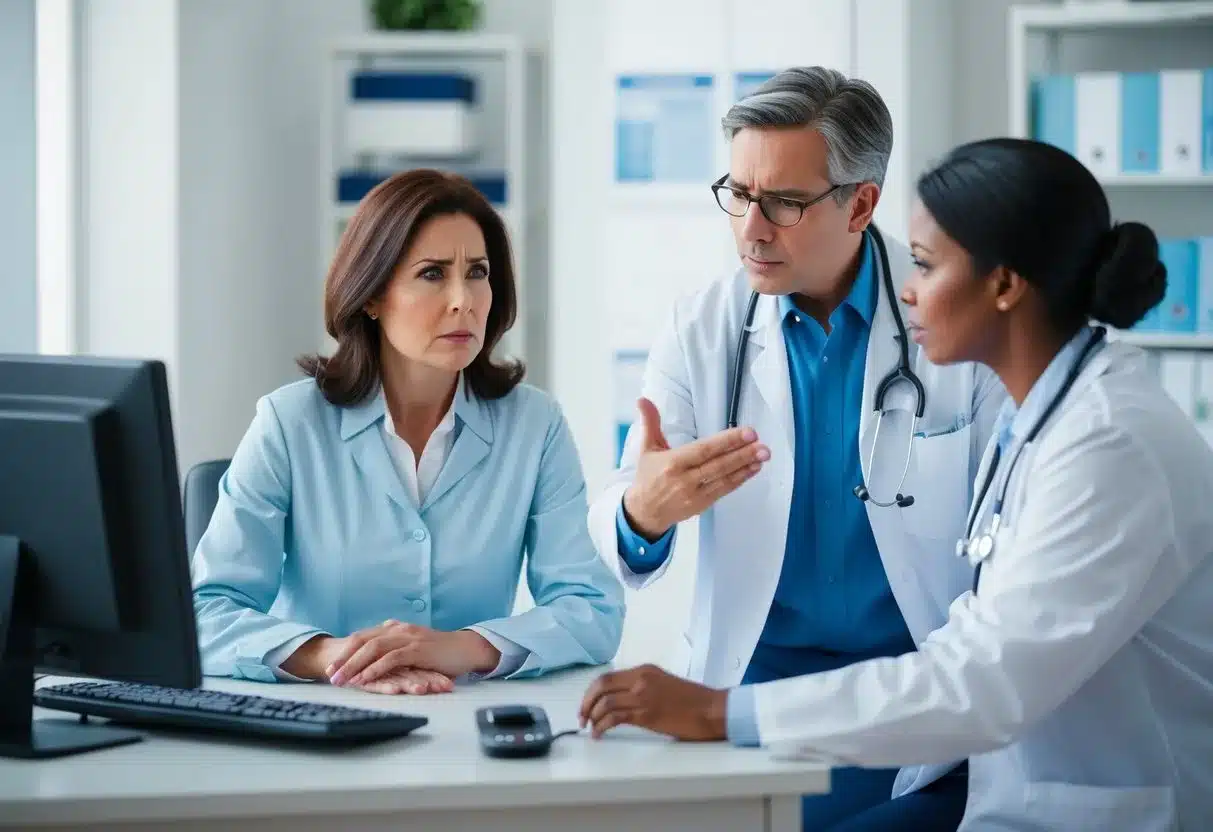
(745, 83)
(628, 383)
(665, 128)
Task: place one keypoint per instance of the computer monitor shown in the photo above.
(94, 573)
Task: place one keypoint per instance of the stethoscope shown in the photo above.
(978, 549)
(900, 373)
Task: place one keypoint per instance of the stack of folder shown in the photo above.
(1188, 304)
(1120, 123)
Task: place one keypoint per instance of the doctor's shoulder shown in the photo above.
(710, 316)
(1123, 410)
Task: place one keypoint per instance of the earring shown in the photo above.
(1002, 306)
(373, 316)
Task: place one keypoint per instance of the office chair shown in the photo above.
(200, 495)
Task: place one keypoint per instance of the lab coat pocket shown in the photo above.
(1070, 807)
(938, 480)
(679, 662)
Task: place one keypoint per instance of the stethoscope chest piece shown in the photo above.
(976, 549)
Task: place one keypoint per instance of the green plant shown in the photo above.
(426, 14)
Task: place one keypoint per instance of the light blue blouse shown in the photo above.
(314, 532)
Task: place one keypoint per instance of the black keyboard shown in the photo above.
(221, 712)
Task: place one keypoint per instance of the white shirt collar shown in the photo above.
(419, 475)
(1014, 423)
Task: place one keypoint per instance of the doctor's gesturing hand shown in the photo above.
(673, 485)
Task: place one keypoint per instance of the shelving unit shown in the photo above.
(1096, 32)
(500, 65)
(1123, 36)
(1168, 340)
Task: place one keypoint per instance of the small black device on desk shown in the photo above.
(514, 731)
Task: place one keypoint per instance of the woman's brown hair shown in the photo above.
(377, 237)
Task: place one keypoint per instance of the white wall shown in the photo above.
(17, 203)
(981, 102)
(904, 48)
(129, 167)
(250, 133)
(202, 132)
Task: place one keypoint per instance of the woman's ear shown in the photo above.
(1008, 288)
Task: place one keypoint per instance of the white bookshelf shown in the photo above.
(1182, 341)
(1111, 14)
(1157, 180)
(500, 64)
(1118, 34)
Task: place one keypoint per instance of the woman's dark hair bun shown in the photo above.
(1130, 280)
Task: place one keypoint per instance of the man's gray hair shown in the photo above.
(848, 113)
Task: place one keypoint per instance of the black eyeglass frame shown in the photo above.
(803, 204)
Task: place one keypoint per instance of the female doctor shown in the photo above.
(1077, 676)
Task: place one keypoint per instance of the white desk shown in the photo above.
(436, 779)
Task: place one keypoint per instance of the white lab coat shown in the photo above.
(742, 537)
(1079, 679)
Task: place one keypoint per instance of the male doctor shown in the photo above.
(796, 573)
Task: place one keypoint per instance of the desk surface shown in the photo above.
(438, 767)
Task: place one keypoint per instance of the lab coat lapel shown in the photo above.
(769, 370)
(472, 444)
(749, 527)
(983, 471)
(360, 428)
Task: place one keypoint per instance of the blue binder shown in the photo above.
(1207, 119)
(1053, 111)
(412, 86)
(1204, 271)
(1139, 122)
(353, 185)
(1179, 304)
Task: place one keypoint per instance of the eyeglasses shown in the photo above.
(780, 210)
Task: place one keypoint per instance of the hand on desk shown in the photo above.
(394, 658)
(650, 698)
(416, 682)
(372, 654)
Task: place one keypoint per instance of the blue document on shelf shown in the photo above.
(665, 128)
(1139, 122)
(1179, 304)
(745, 83)
(1204, 271)
(628, 384)
(1053, 111)
(1207, 119)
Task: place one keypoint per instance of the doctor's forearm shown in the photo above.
(899, 711)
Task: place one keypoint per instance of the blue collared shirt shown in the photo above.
(833, 604)
(315, 532)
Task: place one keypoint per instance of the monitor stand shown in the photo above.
(22, 736)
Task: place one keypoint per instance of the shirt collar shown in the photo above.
(444, 427)
(357, 418)
(861, 298)
(1014, 423)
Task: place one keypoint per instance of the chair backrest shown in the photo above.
(201, 493)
